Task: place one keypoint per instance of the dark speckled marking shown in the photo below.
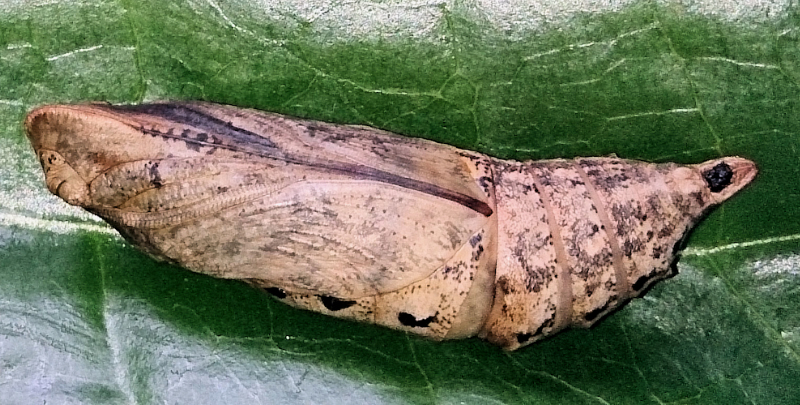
(475, 239)
(476, 254)
(698, 198)
(631, 246)
(407, 319)
(486, 184)
(188, 116)
(335, 304)
(666, 231)
(503, 285)
(155, 176)
(658, 250)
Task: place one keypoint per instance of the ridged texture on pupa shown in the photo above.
(367, 225)
(579, 238)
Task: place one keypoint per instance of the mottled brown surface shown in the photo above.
(367, 225)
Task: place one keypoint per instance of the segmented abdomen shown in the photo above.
(577, 239)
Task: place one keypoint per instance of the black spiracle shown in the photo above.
(335, 304)
(718, 177)
(410, 320)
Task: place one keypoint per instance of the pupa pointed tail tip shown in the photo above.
(746, 169)
(728, 175)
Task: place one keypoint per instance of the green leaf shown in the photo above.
(84, 318)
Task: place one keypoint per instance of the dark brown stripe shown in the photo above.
(251, 143)
(370, 173)
(197, 119)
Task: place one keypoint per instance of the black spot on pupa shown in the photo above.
(524, 337)
(335, 304)
(593, 314)
(407, 319)
(718, 177)
(640, 283)
(276, 292)
(678, 246)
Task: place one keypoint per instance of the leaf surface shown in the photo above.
(87, 319)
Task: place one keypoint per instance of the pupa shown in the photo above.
(367, 225)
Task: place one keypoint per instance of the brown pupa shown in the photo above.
(363, 224)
